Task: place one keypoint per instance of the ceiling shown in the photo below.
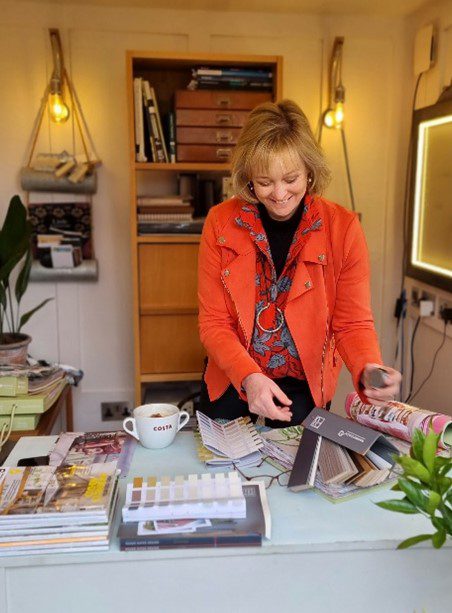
(332, 7)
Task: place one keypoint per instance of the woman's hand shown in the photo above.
(382, 395)
(261, 392)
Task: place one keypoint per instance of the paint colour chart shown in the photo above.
(218, 495)
(236, 442)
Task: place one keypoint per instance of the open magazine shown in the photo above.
(399, 419)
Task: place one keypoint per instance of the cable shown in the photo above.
(347, 168)
(433, 363)
(412, 358)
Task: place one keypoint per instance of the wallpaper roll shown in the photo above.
(399, 419)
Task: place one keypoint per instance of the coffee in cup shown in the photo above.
(155, 425)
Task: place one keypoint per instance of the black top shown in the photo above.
(280, 234)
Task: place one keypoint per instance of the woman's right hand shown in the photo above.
(261, 392)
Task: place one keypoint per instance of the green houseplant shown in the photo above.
(427, 489)
(15, 266)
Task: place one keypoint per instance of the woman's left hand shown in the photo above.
(381, 395)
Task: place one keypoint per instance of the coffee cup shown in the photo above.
(155, 425)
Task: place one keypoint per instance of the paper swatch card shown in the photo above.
(196, 496)
(235, 442)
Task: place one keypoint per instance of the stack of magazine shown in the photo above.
(194, 511)
(48, 509)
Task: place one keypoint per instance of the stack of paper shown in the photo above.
(234, 443)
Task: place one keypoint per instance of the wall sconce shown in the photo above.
(59, 111)
(333, 117)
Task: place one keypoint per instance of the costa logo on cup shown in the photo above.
(156, 425)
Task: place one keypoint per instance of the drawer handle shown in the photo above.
(223, 118)
(223, 154)
(224, 137)
(226, 101)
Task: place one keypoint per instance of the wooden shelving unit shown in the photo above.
(164, 266)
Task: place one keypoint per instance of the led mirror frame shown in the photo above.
(422, 271)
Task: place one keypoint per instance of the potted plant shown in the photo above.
(427, 488)
(15, 266)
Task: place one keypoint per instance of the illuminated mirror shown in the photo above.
(430, 248)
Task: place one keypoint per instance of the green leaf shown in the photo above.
(15, 228)
(442, 462)
(444, 484)
(23, 277)
(26, 316)
(414, 540)
(439, 538)
(433, 501)
(396, 488)
(438, 522)
(429, 449)
(413, 491)
(447, 516)
(2, 296)
(415, 468)
(417, 444)
(397, 505)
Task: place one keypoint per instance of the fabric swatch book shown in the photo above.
(195, 496)
(235, 442)
(208, 532)
(32, 403)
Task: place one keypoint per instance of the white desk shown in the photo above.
(322, 557)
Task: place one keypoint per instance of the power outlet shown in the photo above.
(115, 411)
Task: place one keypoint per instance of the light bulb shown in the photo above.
(328, 119)
(59, 111)
(338, 114)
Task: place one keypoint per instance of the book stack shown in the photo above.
(149, 137)
(48, 509)
(193, 511)
(231, 78)
(166, 214)
(26, 392)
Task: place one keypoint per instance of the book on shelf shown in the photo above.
(204, 532)
(164, 201)
(231, 71)
(140, 155)
(32, 403)
(13, 386)
(185, 209)
(48, 508)
(157, 141)
(164, 218)
(171, 136)
(174, 227)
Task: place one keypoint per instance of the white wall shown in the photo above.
(90, 324)
(436, 392)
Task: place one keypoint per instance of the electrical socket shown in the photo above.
(115, 411)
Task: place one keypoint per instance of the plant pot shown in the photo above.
(15, 349)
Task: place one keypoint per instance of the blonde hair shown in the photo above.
(277, 130)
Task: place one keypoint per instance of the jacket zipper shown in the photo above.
(238, 314)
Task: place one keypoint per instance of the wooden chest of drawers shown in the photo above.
(208, 122)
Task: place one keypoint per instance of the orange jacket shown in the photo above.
(328, 308)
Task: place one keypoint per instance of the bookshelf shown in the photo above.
(164, 266)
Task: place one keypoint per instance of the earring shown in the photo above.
(310, 181)
(250, 186)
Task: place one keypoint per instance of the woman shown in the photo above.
(283, 282)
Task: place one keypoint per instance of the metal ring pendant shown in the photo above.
(279, 315)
